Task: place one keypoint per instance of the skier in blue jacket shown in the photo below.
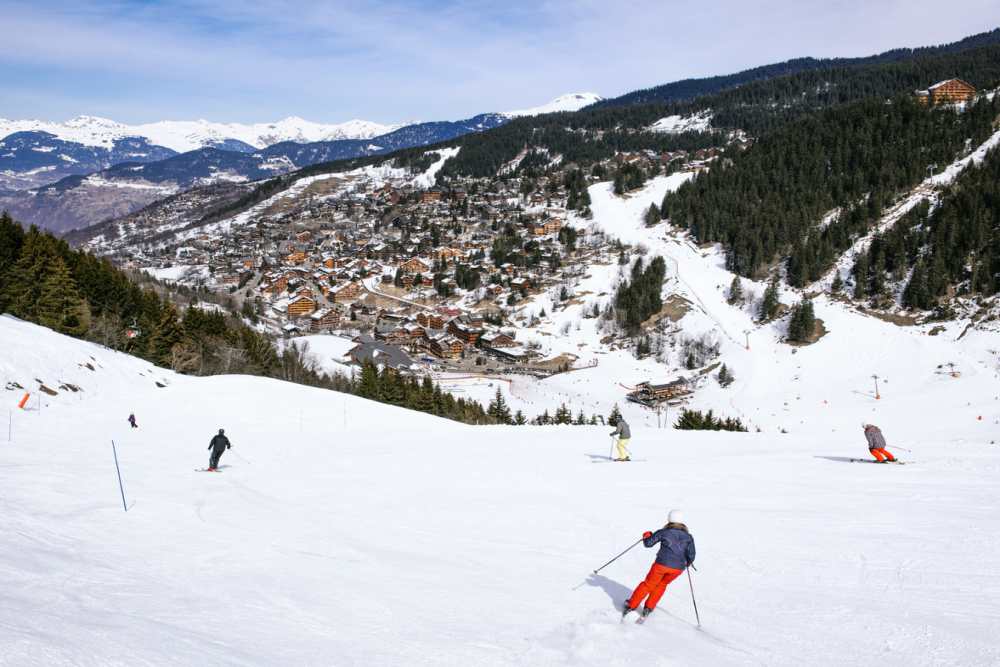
(675, 554)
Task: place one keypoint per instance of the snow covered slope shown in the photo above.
(568, 102)
(699, 122)
(347, 532)
(787, 391)
(183, 136)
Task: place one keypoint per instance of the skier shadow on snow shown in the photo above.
(595, 458)
(839, 459)
(617, 592)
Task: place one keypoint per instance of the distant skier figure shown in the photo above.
(624, 435)
(219, 444)
(131, 420)
(676, 553)
(876, 444)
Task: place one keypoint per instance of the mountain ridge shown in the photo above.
(183, 136)
(686, 89)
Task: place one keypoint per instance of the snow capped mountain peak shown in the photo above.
(183, 136)
(92, 121)
(567, 102)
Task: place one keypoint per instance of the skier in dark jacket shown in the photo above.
(131, 420)
(676, 553)
(876, 444)
(219, 444)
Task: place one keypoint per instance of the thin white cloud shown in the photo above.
(392, 60)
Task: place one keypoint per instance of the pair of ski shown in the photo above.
(897, 461)
(207, 470)
(642, 617)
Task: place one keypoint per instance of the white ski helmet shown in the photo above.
(675, 516)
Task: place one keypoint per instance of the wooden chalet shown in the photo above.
(301, 306)
(646, 393)
(395, 336)
(445, 346)
(553, 225)
(297, 257)
(430, 320)
(325, 319)
(949, 91)
(514, 354)
(449, 255)
(497, 340)
(346, 292)
(432, 195)
(276, 286)
(415, 265)
(464, 331)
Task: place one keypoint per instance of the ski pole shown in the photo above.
(618, 556)
(611, 452)
(119, 470)
(898, 447)
(692, 598)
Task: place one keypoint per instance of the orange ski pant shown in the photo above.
(882, 455)
(653, 586)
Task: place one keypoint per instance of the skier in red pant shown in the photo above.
(676, 553)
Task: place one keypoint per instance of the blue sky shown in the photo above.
(394, 61)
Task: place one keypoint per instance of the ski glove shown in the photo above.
(647, 535)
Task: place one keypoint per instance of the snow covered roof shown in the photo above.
(946, 81)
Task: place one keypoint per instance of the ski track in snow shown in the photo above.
(928, 190)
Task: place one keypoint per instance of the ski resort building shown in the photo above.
(649, 394)
(949, 91)
(301, 306)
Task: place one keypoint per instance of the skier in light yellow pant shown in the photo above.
(624, 435)
(622, 445)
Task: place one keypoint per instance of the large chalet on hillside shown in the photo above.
(949, 91)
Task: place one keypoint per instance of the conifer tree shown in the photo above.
(368, 387)
(802, 323)
(735, 291)
(652, 217)
(23, 280)
(615, 415)
(769, 305)
(498, 410)
(59, 305)
(916, 294)
(425, 397)
(167, 334)
(563, 415)
(861, 277)
(11, 240)
(519, 418)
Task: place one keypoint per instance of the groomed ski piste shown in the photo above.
(797, 391)
(347, 532)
